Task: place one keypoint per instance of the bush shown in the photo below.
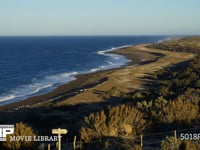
(179, 111)
(164, 111)
(113, 92)
(190, 145)
(120, 121)
(171, 144)
(20, 130)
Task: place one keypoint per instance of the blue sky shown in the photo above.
(99, 17)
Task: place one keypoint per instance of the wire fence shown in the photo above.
(146, 141)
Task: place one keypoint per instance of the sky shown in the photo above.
(99, 17)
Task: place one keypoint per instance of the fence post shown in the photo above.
(49, 147)
(175, 137)
(141, 140)
(74, 143)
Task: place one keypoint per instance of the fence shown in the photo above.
(146, 141)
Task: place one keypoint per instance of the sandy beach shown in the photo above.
(92, 87)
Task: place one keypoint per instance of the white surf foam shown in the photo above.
(5, 98)
(48, 83)
(103, 52)
(166, 39)
(113, 61)
(37, 87)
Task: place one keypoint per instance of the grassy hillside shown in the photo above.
(171, 101)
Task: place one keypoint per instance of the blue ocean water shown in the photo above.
(35, 65)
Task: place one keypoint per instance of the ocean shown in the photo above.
(31, 66)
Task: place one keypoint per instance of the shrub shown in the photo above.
(179, 111)
(171, 144)
(113, 92)
(189, 145)
(121, 121)
(164, 111)
(20, 130)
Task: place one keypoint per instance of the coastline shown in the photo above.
(71, 87)
(85, 83)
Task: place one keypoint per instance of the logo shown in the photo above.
(5, 130)
(9, 129)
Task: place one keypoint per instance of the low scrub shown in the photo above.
(121, 121)
(170, 143)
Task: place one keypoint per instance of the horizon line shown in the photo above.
(100, 35)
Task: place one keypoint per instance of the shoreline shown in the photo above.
(122, 61)
(83, 82)
(72, 86)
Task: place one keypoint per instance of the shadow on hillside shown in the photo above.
(43, 119)
(150, 81)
